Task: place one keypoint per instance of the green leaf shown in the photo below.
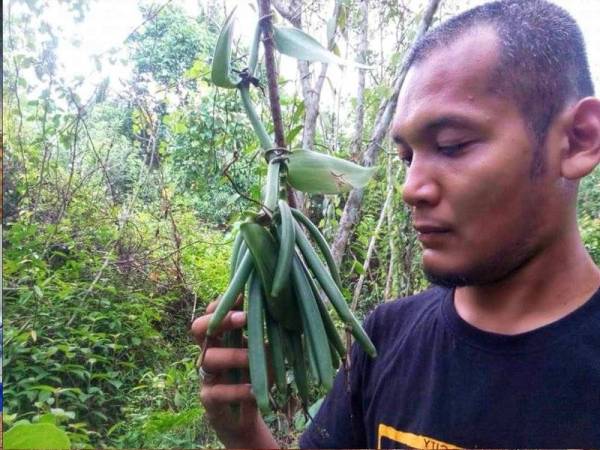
(358, 268)
(61, 414)
(47, 418)
(36, 435)
(293, 133)
(315, 172)
(342, 20)
(297, 44)
(221, 66)
(196, 70)
(44, 388)
(300, 419)
(38, 292)
(253, 59)
(298, 113)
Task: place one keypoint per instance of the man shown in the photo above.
(497, 124)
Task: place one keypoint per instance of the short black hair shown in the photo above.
(543, 61)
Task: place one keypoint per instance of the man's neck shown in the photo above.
(550, 286)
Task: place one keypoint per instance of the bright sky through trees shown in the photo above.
(109, 22)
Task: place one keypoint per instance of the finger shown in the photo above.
(213, 396)
(233, 320)
(213, 305)
(219, 359)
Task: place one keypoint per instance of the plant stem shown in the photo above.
(264, 12)
(266, 25)
(259, 128)
(272, 188)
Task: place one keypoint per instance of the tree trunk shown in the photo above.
(356, 146)
(351, 212)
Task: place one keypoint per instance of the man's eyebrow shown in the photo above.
(447, 121)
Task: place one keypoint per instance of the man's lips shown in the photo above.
(431, 233)
(430, 228)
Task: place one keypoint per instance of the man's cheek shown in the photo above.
(480, 201)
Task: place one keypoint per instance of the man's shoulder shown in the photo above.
(397, 316)
(413, 304)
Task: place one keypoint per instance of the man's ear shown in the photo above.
(583, 152)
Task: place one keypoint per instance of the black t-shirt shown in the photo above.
(439, 382)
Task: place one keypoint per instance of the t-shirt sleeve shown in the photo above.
(339, 422)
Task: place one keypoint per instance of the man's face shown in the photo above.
(478, 212)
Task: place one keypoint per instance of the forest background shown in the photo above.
(123, 184)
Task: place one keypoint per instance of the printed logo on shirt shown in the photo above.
(387, 436)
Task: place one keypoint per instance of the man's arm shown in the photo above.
(246, 429)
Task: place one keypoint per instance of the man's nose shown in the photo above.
(420, 189)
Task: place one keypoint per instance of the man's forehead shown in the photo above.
(459, 72)
(469, 58)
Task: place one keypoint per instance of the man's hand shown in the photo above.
(246, 429)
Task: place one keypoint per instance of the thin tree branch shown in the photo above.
(235, 186)
(389, 282)
(371, 247)
(148, 19)
(123, 220)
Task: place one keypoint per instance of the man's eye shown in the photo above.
(451, 149)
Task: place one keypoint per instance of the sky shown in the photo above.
(109, 22)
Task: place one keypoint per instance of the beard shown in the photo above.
(495, 268)
(449, 280)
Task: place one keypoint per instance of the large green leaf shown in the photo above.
(297, 44)
(315, 172)
(221, 65)
(36, 435)
(253, 59)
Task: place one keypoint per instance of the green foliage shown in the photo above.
(397, 237)
(84, 345)
(589, 213)
(590, 233)
(36, 435)
(167, 46)
(164, 411)
(79, 346)
(108, 255)
(301, 420)
(202, 142)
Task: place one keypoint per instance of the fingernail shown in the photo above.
(238, 316)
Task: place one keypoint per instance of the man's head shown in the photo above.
(486, 105)
(542, 61)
